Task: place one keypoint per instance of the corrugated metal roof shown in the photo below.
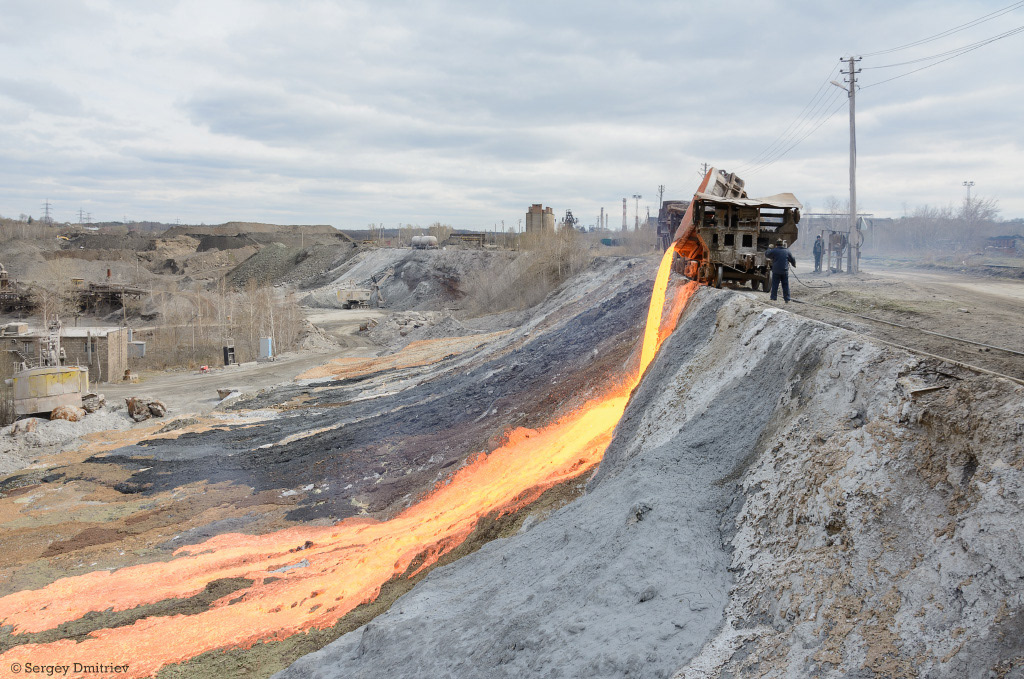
(779, 200)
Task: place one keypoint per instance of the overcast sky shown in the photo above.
(351, 112)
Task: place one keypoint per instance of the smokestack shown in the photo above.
(625, 225)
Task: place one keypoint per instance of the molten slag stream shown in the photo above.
(310, 577)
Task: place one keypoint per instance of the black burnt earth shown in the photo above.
(386, 451)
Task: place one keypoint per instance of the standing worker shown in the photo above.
(819, 247)
(781, 258)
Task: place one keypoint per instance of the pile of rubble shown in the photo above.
(91, 403)
(394, 328)
(141, 408)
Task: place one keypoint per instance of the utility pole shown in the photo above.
(968, 184)
(851, 93)
(704, 170)
(661, 196)
(46, 212)
(636, 211)
(81, 216)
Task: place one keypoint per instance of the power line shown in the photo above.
(817, 111)
(954, 52)
(796, 143)
(810, 110)
(822, 114)
(963, 51)
(798, 130)
(951, 31)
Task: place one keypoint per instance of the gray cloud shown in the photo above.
(469, 112)
(42, 97)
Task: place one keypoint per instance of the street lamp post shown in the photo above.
(636, 211)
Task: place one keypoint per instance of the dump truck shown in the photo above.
(352, 297)
(724, 234)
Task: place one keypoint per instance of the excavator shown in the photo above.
(723, 234)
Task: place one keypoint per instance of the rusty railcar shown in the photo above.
(724, 234)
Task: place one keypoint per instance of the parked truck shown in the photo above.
(352, 297)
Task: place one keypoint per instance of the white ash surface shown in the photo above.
(19, 448)
(782, 499)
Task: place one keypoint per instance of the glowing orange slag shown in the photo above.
(344, 565)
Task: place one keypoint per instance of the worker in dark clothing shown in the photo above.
(781, 258)
(819, 247)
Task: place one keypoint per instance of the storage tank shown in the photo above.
(40, 390)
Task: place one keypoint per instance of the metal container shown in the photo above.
(40, 390)
(266, 348)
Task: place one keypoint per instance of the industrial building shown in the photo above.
(539, 218)
(104, 351)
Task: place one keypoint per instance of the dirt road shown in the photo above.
(195, 392)
(986, 311)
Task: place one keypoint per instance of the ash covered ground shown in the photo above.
(392, 435)
(781, 498)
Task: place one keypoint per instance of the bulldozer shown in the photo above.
(724, 234)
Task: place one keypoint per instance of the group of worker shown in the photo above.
(781, 259)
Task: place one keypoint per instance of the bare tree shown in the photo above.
(839, 213)
(441, 231)
(54, 293)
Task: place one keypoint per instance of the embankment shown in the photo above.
(781, 498)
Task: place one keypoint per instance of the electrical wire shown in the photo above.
(796, 143)
(808, 285)
(815, 113)
(951, 31)
(979, 45)
(954, 52)
(808, 110)
(823, 112)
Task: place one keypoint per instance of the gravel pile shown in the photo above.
(398, 329)
(20, 448)
(268, 266)
(315, 264)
